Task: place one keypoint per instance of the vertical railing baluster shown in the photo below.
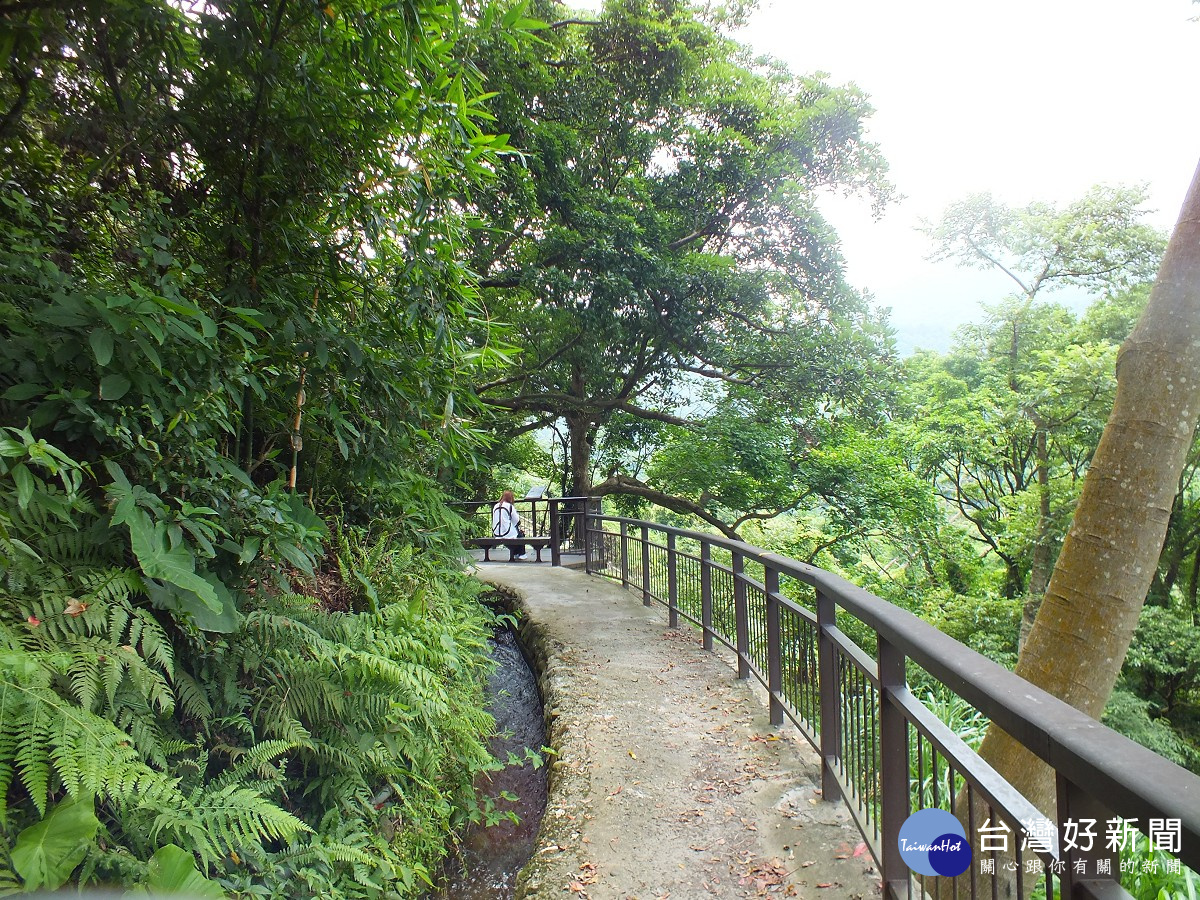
(741, 616)
(706, 598)
(594, 506)
(830, 696)
(588, 561)
(555, 532)
(624, 555)
(774, 646)
(1076, 805)
(646, 592)
(893, 769)
(672, 583)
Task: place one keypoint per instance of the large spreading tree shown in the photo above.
(661, 236)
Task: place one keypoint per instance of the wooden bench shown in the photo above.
(488, 544)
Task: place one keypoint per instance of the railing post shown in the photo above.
(624, 555)
(672, 583)
(774, 646)
(893, 771)
(588, 540)
(740, 614)
(706, 593)
(646, 593)
(831, 707)
(1077, 806)
(597, 546)
(555, 533)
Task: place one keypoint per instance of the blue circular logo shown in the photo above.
(933, 842)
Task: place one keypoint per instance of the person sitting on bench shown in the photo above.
(506, 523)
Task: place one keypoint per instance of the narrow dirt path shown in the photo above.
(670, 781)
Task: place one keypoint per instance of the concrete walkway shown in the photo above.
(670, 781)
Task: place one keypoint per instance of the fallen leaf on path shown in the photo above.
(860, 849)
(588, 873)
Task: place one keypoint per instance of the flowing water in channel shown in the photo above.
(492, 857)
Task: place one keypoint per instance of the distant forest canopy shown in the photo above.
(280, 281)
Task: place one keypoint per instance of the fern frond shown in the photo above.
(190, 697)
(83, 672)
(149, 684)
(255, 760)
(324, 852)
(233, 816)
(33, 752)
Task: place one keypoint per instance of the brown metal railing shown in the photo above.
(835, 660)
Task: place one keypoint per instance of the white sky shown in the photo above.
(1028, 99)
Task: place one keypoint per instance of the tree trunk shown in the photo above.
(1014, 583)
(1078, 642)
(1039, 569)
(578, 431)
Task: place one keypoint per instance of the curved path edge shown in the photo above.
(668, 779)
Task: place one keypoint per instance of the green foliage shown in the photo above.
(987, 624)
(1156, 700)
(236, 746)
(1098, 242)
(1018, 396)
(1164, 658)
(1131, 715)
(233, 300)
(1149, 876)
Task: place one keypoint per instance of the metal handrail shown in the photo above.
(874, 736)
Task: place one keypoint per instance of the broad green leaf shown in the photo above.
(101, 340)
(305, 516)
(175, 565)
(25, 484)
(172, 870)
(114, 387)
(176, 599)
(24, 391)
(47, 853)
(295, 556)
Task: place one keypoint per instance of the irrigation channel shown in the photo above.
(489, 858)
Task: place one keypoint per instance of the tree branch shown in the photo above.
(503, 280)
(564, 23)
(492, 385)
(625, 484)
(706, 231)
(654, 415)
(717, 375)
(23, 81)
(757, 326)
(999, 265)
